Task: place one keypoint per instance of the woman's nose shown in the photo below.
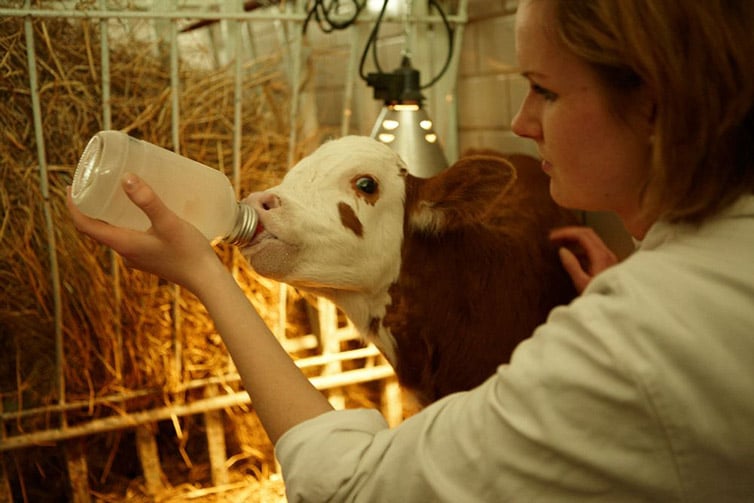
(526, 124)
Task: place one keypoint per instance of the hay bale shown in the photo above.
(119, 325)
(94, 319)
(127, 335)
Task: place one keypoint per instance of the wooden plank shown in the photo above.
(149, 457)
(392, 401)
(213, 422)
(330, 345)
(5, 493)
(78, 470)
(307, 342)
(143, 417)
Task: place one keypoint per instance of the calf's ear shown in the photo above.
(458, 196)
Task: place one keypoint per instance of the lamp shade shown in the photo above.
(409, 131)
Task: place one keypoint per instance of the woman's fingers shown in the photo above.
(583, 253)
(573, 267)
(170, 248)
(150, 203)
(96, 229)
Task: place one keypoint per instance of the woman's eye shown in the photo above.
(366, 184)
(545, 93)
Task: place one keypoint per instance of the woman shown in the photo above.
(643, 388)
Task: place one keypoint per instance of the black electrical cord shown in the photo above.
(321, 10)
(372, 42)
(449, 31)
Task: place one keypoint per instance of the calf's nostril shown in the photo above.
(263, 201)
(269, 201)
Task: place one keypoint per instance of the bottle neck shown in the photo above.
(245, 226)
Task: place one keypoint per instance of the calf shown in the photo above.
(446, 275)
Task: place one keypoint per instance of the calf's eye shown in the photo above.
(366, 184)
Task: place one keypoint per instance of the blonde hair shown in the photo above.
(694, 57)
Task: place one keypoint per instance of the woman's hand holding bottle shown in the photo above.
(172, 248)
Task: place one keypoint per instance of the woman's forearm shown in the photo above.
(176, 251)
(281, 395)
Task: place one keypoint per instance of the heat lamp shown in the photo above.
(403, 124)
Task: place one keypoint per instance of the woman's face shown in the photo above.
(596, 160)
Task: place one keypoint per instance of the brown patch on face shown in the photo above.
(349, 219)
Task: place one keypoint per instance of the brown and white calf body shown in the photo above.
(446, 275)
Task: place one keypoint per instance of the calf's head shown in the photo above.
(335, 222)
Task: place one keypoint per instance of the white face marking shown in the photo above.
(309, 243)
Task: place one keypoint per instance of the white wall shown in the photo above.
(489, 88)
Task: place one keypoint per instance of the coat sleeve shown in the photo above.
(566, 420)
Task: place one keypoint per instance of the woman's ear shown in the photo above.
(651, 123)
(647, 116)
(648, 107)
(652, 114)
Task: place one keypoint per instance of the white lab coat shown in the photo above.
(641, 390)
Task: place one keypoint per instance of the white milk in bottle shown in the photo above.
(197, 193)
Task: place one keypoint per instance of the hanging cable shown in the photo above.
(372, 44)
(408, 7)
(323, 12)
(449, 31)
(372, 41)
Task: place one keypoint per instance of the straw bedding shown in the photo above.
(126, 334)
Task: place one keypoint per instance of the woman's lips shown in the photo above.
(546, 166)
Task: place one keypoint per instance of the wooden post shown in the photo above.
(6, 496)
(392, 401)
(78, 470)
(5, 493)
(149, 456)
(328, 333)
(213, 421)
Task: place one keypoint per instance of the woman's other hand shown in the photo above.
(172, 248)
(582, 253)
